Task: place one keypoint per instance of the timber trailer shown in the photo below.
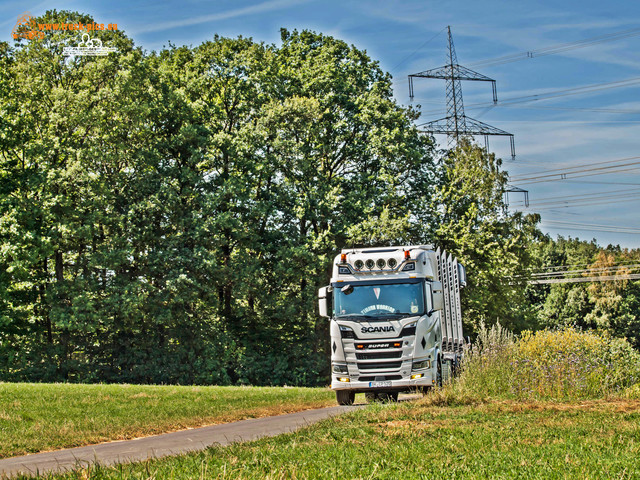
(395, 320)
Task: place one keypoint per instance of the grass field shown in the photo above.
(499, 439)
(552, 404)
(41, 417)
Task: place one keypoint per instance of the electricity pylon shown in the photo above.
(456, 124)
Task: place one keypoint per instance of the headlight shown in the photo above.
(421, 365)
(409, 329)
(347, 332)
(339, 368)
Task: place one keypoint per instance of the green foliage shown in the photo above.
(610, 306)
(472, 222)
(168, 217)
(487, 367)
(548, 364)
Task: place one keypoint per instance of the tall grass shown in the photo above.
(549, 364)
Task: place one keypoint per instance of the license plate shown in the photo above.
(379, 384)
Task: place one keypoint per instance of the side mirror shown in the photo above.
(323, 302)
(462, 276)
(438, 297)
(347, 289)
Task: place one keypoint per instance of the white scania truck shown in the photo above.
(395, 317)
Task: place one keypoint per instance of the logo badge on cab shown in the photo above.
(377, 329)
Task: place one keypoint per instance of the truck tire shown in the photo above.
(456, 366)
(447, 371)
(345, 397)
(439, 373)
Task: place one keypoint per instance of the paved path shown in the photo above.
(166, 444)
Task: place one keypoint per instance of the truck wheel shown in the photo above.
(439, 373)
(447, 372)
(345, 397)
(455, 367)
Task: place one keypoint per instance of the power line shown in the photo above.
(595, 229)
(579, 109)
(588, 196)
(597, 274)
(590, 164)
(401, 62)
(578, 170)
(633, 276)
(595, 87)
(585, 204)
(601, 183)
(633, 169)
(592, 225)
(612, 269)
(559, 48)
(582, 265)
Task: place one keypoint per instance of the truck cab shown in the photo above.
(395, 320)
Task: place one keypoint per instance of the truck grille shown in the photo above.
(379, 366)
(378, 355)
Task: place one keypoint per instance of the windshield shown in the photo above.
(376, 301)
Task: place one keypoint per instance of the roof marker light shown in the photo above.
(407, 254)
(343, 258)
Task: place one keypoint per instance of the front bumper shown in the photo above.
(396, 385)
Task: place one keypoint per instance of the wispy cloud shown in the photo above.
(238, 12)
(18, 9)
(532, 38)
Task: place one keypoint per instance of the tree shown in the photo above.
(168, 217)
(609, 306)
(472, 223)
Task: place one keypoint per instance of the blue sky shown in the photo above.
(567, 132)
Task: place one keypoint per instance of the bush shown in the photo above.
(486, 368)
(549, 364)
